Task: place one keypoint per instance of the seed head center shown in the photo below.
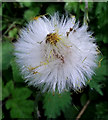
(52, 38)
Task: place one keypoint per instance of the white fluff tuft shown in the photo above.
(66, 64)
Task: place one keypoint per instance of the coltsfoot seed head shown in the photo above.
(56, 54)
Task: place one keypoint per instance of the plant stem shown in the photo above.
(9, 28)
(82, 110)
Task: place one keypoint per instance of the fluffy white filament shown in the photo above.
(56, 54)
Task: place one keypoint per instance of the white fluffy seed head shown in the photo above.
(56, 54)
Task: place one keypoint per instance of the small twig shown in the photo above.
(82, 110)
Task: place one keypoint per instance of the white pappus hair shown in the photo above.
(56, 54)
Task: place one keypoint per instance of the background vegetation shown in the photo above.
(21, 101)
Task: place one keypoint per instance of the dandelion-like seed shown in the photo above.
(56, 54)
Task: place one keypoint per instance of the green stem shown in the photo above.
(36, 111)
(86, 19)
(9, 27)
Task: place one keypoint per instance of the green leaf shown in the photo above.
(97, 81)
(13, 33)
(22, 93)
(54, 104)
(94, 84)
(71, 6)
(83, 99)
(102, 70)
(27, 4)
(29, 14)
(71, 112)
(52, 9)
(93, 95)
(16, 72)
(20, 108)
(102, 36)
(101, 13)
(36, 10)
(102, 110)
(7, 50)
(8, 89)
(82, 6)
(10, 86)
(3, 27)
(105, 39)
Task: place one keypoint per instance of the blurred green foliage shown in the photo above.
(56, 102)
(19, 101)
(7, 53)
